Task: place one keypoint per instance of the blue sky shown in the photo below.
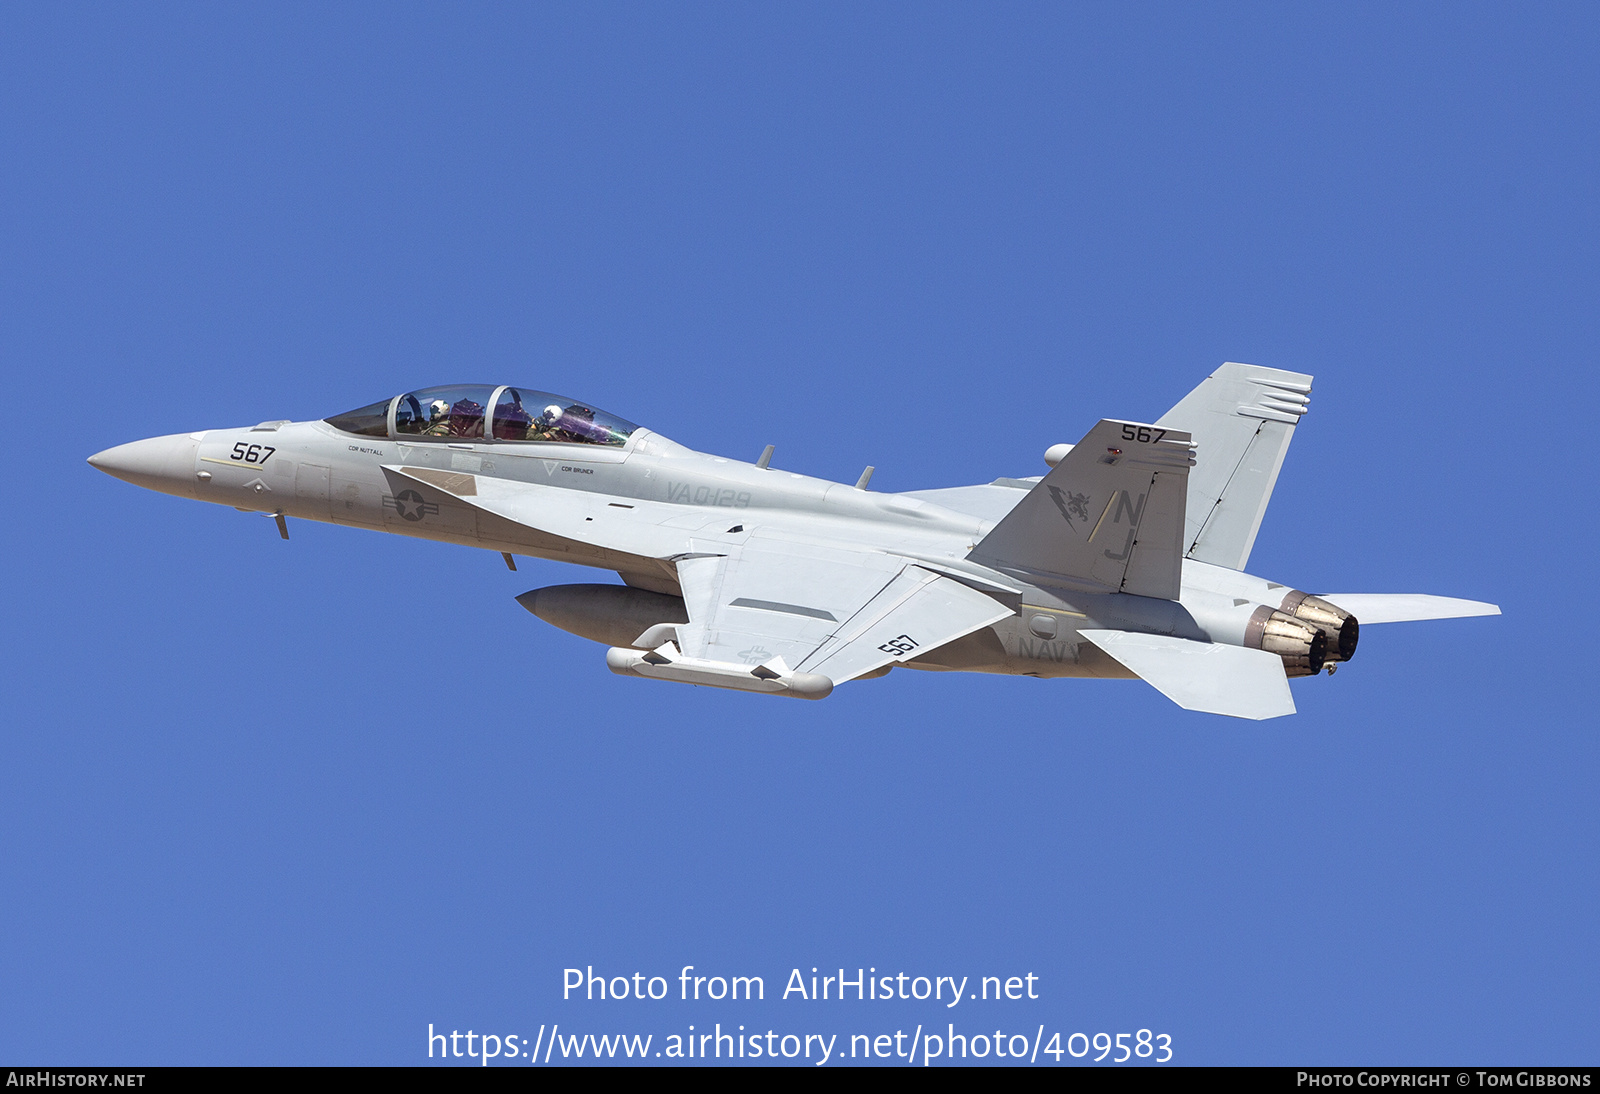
(272, 802)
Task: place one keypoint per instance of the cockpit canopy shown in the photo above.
(463, 412)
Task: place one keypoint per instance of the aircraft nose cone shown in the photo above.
(158, 463)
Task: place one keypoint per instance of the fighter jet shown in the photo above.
(1126, 560)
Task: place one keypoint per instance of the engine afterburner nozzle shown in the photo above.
(1340, 627)
(1302, 646)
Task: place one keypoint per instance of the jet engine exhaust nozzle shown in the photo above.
(1302, 646)
(1341, 628)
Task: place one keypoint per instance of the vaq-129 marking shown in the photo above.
(1125, 560)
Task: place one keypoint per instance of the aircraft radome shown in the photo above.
(1126, 560)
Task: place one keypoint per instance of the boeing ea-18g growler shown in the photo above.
(1125, 560)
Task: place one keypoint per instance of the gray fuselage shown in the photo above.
(313, 471)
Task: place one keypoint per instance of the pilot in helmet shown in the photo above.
(438, 419)
(544, 426)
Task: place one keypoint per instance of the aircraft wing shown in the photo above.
(832, 610)
(1406, 607)
(829, 609)
(1203, 676)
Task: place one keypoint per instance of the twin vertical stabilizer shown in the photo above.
(1242, 418)
(1110, 514)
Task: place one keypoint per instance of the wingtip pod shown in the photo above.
(667, 664)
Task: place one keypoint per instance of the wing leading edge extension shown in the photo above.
(632, 527)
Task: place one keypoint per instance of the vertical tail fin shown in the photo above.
(1242, 418)
(1109, 515)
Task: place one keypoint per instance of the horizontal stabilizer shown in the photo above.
(1406, 607)
(1203, 676)
(1109, 515)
